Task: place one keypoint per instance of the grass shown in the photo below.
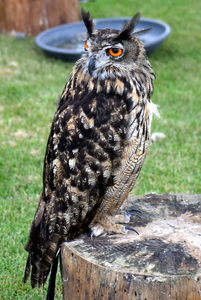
(30, 84)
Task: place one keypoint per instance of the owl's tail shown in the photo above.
(39, 277)
(52, 281)
(42, 247)
(39, 263)
(39, 270)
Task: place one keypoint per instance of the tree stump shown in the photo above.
(163, 262)
(32, 17)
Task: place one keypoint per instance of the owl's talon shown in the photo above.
(137, 215)
(126, 228)
(96, 230)
(126, 217)
(92, 234)
(134, 212)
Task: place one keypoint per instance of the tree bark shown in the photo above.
(34, 16)
(163, 262)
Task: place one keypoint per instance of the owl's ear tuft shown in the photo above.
(87, 21)
(128, 28)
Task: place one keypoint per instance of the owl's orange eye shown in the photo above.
(115, 51)
(86, 47)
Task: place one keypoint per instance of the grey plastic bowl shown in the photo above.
(66, 41)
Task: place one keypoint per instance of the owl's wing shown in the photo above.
(84, 149)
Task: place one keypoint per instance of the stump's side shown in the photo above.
(83, 280)
(32, 17)
(163, 262)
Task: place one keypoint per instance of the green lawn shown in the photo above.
(30, 84)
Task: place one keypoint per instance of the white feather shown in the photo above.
(154, 109)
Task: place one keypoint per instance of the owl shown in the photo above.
(97, 144)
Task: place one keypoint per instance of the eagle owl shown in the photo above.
(97, 144)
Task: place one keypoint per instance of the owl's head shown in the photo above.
(108, 50)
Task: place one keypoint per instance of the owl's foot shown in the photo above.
(110, 224)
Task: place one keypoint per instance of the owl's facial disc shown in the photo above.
(105, 57)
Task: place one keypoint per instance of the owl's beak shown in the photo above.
(91, 65)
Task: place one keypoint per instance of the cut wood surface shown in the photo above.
(162, 262)
(32, 17)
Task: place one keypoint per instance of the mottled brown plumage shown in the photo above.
(97, 144)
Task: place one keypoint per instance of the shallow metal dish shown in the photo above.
(66, 41)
